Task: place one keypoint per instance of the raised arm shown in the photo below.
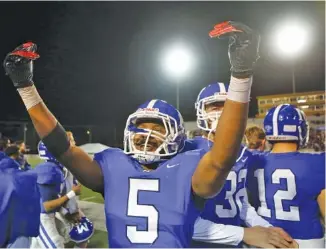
(215, 166)
(19, 66)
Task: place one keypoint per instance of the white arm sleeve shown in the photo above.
(207, 231)
(71, 205)
(249, 215)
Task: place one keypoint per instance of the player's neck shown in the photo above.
(284, 147)
(150, 167)
(209, 136)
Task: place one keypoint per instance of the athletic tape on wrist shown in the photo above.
(71, 194)
(239, 89)
(29, 96)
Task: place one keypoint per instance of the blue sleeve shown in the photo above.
(49, 173)
(20, 205)
(105, 159)
(48, 192)
(318, 170)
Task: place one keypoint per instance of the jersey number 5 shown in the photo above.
(280, 195)
(139, 210)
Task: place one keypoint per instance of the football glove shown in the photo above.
(18, 64)
(243, 46)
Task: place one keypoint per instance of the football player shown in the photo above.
(72, 213)
(153, 194)
(230, 207)
(288, 187)
(19, 209)
(10, 161)
(22, 159)
(54, 231)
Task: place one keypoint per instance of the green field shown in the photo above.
(99, 239)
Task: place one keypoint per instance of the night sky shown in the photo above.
(100, 60)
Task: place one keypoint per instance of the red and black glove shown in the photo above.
(243, 46)
(19, 64)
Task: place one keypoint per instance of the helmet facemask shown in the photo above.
(169, 143)
(207, 121)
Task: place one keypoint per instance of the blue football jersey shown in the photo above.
(19, 206)
(149, 208)
(225, 207)
(9, 163)
(2, 155)
(284, 188)
(50, 179)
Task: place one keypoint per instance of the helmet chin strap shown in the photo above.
(146, 159)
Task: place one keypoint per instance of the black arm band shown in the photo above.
(57, 141)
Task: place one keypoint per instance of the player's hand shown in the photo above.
(268, 237)
(243, 46)
(74, 218)
(18, 64)
(76, 189)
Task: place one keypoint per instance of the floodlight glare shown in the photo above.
(291, 39)
(177, 61)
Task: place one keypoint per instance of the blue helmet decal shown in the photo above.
(46, 155)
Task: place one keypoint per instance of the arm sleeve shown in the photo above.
(207, 231)
(71, 205)
(249, 215)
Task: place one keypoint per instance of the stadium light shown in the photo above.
(291, 38)
(177, 62)
(89, 133)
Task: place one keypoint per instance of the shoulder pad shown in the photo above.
(9, 163)
(49, 173)
(198, 152)
(107, 152)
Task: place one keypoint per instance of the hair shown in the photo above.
(12, 150)
(69, 133)
(3, 143)
(254, 137)
(19, 142)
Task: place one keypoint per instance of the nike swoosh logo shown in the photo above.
(244, 160)
(172, 166)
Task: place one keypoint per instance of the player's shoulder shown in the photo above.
(316, 161)
(48, 173)
(312, 156)
(107, 153)
(197, 142)
(188, 160)
(19, 181)
(197, 153)
(9, 163)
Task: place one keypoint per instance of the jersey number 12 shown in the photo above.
(280, 195)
